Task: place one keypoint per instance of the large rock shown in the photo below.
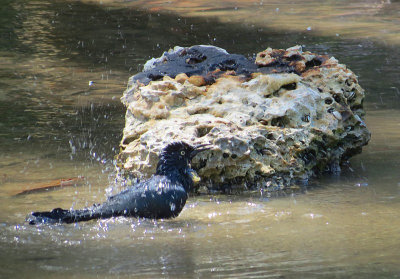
(273, 121)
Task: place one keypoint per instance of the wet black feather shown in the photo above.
(162, 196)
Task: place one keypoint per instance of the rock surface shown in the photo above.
(281, 118)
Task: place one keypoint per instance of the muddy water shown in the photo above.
(54, 125)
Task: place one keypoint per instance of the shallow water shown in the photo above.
(54, 125)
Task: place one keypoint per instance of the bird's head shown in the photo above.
(176, 158)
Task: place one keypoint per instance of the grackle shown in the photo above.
(161, 196)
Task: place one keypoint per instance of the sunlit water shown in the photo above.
(54, 125)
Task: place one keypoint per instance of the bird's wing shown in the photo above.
(157, 197)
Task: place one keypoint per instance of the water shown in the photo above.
(54, 124)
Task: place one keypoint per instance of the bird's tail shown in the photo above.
(59, 215)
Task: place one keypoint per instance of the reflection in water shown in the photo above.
(63, 66)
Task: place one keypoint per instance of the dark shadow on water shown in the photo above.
(80, 132)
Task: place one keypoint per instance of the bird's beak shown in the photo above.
(194, 176)
(200, 148)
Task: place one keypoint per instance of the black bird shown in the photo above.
(161, 196)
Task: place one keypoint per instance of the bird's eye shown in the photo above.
(183, 153)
